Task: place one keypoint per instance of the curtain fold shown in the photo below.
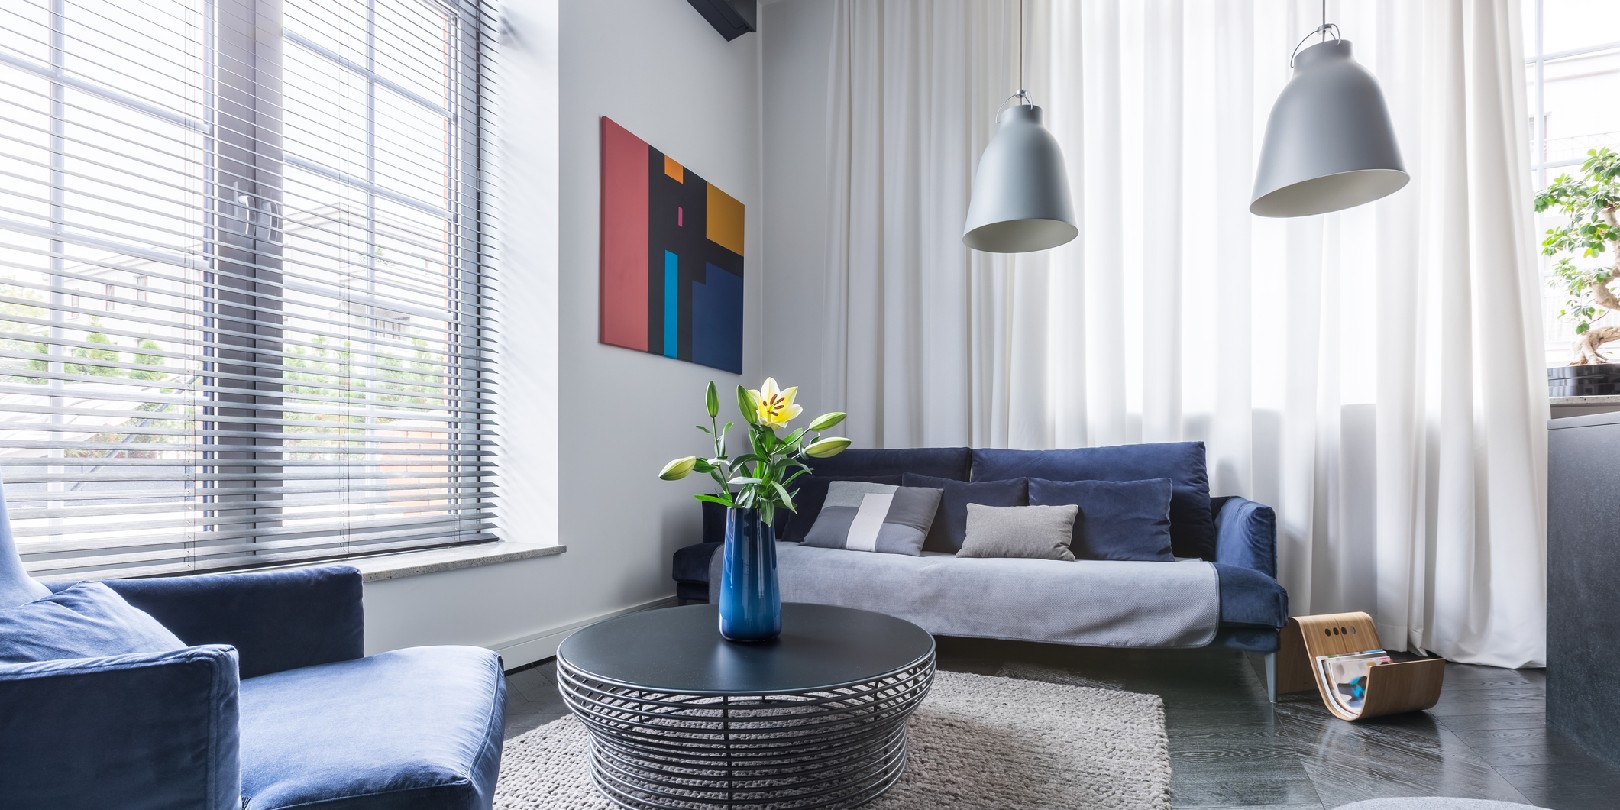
(1373, 374)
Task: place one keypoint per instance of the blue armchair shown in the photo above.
(274, 705)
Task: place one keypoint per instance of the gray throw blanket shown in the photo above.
(1085, 603)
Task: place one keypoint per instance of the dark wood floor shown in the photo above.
(1231, 748)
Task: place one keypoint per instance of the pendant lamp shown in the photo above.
(1020, 201)
(1329, 143)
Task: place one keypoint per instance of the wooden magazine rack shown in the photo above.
(1403, 686)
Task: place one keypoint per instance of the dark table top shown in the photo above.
(680, 650)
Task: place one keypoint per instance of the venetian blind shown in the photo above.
(246, 274)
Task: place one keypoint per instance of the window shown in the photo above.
(1572, 67)
(245, 275)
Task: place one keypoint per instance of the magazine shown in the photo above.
(1344, 677)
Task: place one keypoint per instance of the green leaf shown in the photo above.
(785, 496)
(702, 465)
(719, 499)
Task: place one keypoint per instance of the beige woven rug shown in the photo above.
(977, 742)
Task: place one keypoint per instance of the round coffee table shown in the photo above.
(681, 718)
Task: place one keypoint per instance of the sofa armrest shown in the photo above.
(1246, 535)
(276, 620)
(148, 730)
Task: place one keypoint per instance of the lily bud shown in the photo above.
(827, 448)
(827, 421)
(678, 469)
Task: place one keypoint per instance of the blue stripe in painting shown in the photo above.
(672, 278)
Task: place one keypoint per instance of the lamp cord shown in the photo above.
(1022, 92)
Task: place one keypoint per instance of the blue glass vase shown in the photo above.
(750, 604)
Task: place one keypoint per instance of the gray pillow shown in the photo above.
(1030, 532)
(874, 517)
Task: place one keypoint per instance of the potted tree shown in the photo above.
(1589, 231)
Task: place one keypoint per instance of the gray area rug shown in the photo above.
(977, 742)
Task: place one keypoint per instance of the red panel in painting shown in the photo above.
(624, 238)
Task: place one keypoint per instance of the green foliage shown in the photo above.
(760, 479)
(1589, 203)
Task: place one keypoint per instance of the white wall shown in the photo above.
(796, 36)
(588, 426)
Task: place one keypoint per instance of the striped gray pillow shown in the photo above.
(874, 517)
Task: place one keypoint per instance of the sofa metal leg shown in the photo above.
(1271, 676)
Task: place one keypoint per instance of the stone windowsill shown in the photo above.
(439, 560)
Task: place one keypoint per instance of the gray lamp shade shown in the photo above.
(1329, 143)
(1020, 191)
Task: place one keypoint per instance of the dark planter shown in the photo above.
(1583, 381)
(750, 603)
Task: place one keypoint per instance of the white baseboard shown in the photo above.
(538, 646)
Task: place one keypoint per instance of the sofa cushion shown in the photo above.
(874, 517)
(1192, 526)
(84, 620)
(1019, 532)
(410, 729)
(950, 524)
(810, 493)
(872, 466)
(1119, 520)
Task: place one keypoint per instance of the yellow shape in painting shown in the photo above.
(725, 220)
(674, 169)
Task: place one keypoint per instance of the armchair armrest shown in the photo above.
(156, 731)
(276, 620)
(1246, 535)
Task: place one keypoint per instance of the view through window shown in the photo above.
(1572, 72)
(243, 280)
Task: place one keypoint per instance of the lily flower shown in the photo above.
(776, 406)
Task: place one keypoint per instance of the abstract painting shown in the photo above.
(672, 257)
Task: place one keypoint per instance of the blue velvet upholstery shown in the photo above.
(410, 729)
(87, 620)
(1118, 520)
(150, 731)
(1192, 531)
(1247, 533)
(319, 727)
(950, 525)
(276, 620)
(16, 586)
(1249, 597)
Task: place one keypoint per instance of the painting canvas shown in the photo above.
(672, 257)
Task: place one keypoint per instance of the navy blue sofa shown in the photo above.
(1238, 536)
(273, 705)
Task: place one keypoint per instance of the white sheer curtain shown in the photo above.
(1373, 374)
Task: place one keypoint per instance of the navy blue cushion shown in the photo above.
(1119, 520)
(1192, 526)
(85, 620)
(950, 524)
(1249, 597)
(413, 729)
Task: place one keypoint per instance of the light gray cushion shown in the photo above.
(1032, 532)
(874, 517)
